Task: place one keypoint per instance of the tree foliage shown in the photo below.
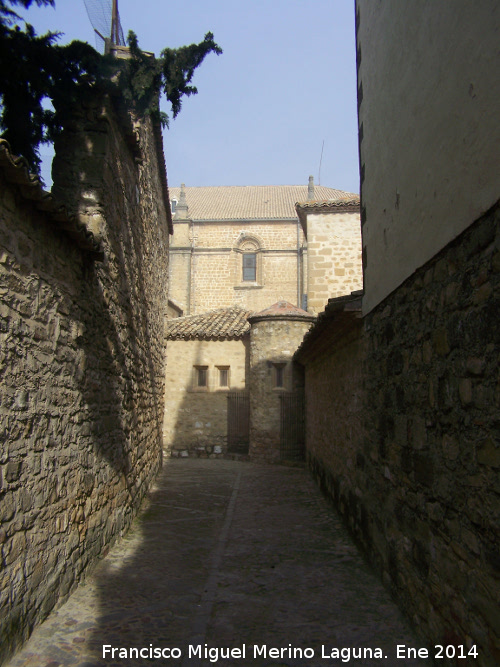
(144, 76)
(35, 68)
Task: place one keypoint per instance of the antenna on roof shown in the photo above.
(320, 160)
(105, 19)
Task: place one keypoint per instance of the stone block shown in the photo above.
(440, 342)
(465, 390)
(65, 428)
(488, 453)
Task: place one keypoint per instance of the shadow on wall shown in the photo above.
(277, 410)
(118, 380)
(92, 437)
(200, 426)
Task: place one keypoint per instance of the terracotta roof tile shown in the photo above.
(350, 203)
(252, 202)
(220, 324)
(282, 309)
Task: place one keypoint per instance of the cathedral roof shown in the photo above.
(252, 202)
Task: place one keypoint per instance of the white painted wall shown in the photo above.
(430, 117)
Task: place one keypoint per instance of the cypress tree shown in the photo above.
(35, 68)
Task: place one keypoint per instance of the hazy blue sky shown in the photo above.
(285, 83)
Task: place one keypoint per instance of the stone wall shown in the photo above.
(82, 359)
(407, 446)
(273, 341)
(334, 256)
(205, 254)
(196, 417)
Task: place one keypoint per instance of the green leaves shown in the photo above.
(144, 77)
(178, 67)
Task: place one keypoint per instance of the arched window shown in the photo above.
(249, 249)
(250, 266)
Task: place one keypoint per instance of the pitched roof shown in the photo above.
(251, 202)
(221, 324)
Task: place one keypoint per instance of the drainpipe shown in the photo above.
(298, 266)
(190, 268)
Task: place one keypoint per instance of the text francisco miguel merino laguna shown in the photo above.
(214, 654)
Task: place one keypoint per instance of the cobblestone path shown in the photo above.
(232, 555)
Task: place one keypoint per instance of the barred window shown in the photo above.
(223, 376)
(201, 376)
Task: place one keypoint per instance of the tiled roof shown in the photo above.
(251, 202)
(282, 309)
(350, 203)
(16, 171)
(216, 325)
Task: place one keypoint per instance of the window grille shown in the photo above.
(201, 376)
(223, 376)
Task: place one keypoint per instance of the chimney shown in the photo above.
(310, 189)
(181, 209)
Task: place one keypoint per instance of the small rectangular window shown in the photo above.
(250, 266)
(201, 376)
(279, 375)
(224, 376)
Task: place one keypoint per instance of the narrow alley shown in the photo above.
(227, 556)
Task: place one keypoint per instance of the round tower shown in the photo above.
(274, 383)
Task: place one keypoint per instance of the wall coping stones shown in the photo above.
(16, 171)
(344, 312)
(341, 205)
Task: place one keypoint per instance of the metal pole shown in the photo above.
(114, 22)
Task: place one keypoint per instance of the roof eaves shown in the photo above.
(351, 204)
(235, 219)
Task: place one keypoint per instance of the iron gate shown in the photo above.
(238, 422)
(292, 427)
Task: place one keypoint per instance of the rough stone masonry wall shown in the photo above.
(81, 366)
(273, 340)
(420, 485)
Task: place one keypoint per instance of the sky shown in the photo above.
(277, 106)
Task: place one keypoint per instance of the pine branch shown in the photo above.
(39, 69)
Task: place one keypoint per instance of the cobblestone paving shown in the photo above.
(231, 555)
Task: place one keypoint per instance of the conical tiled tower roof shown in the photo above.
(282, 310)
